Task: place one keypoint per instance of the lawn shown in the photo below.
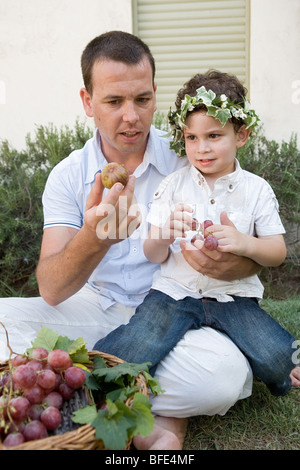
(260, 422)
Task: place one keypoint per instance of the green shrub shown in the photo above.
(279, 164)
(22, 179)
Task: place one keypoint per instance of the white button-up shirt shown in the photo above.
(250, 204)
(124, 275)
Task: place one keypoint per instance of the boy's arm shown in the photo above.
(155, 248)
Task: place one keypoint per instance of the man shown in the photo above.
(90, 284)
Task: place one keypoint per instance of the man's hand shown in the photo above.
(215, 264)
(116, 216)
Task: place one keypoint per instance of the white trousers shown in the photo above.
(205, 374)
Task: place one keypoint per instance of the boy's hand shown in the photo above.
(229, 238)
(218, 265)
(178, 223)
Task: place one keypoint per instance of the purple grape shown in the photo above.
(13, 439)
(211, 243)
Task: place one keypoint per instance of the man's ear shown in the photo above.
(87, 102)
(243, 135)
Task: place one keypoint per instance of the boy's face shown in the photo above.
(210, 147)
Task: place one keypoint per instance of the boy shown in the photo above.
(212, 121)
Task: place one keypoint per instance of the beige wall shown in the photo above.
(41, 42)
(275, 66)
(40, 46)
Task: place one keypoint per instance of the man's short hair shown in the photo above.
(113, 45)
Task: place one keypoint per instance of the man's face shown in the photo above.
(122, 104)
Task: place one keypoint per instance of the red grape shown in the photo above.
(46, 379)
(4, 382)
(211, 243)
(195, 224)
(13, 439)
(35, 430)
(207, 223)
(15, 427)
(53, 399)
(35, 365)
(39, 354)
(59, 360)
(66, 392)
(24, 376)
(19, 408)
(36, 411)
(51, 418)
(74, 377)
(19, 360)
(34, 394)
(58, 381)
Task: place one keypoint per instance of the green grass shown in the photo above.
(260, 422)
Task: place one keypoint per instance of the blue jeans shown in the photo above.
(160, 322)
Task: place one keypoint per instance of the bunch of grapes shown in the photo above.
(210, 242)
(32, 394)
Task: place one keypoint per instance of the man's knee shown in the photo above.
(205, 374)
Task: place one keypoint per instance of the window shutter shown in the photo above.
(191, 37)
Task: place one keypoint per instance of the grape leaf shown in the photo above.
(153, 384)
(142, 410)
(99, 362)
(76, 345)
(45, 338)
(80, 355)
(122, 393)
(85, 415)
(63, 342)
(90, 382)
(112, 426)
(112, 374)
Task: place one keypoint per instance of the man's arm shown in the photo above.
(69, 256)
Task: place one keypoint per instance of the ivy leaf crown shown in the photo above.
(219, 107)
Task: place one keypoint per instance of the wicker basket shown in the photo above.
(82, 438)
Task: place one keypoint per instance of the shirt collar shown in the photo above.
(153, 155)
(231, 179)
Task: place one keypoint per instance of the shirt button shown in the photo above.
(212, 201)
(134, 249)
(200, 291)
(230, 186)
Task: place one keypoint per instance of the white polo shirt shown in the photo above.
(250, 204)
(124, 275)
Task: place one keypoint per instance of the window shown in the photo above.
(193, 36)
